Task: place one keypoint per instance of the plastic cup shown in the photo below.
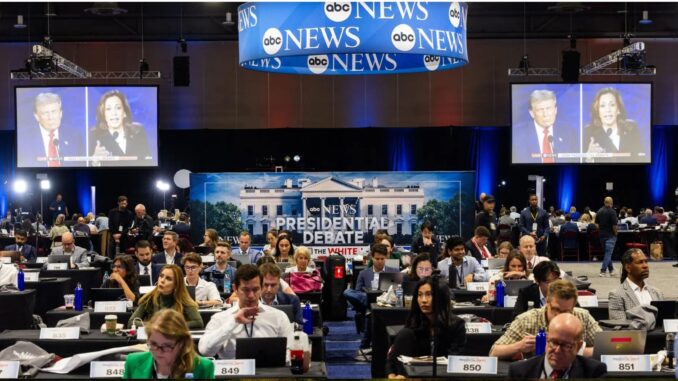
(111, 324)
(69, 300)
(408, 301)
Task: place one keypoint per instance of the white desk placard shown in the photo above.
(485, 263)
(31, 276)
(106, 369)
(141, 333)
(9, 369)
(207, 258)
(145, 289)
(670, 325)
(627, 363)
(57, 266)
(587, 300)
(7, 260)
(61, 333)
(478, 327)
(510, 301)
(243, 367)
(41, 260)
(111, 306)
(472, 365)
(477, 286)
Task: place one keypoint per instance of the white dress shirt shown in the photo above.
(222, 330)
(140, 270)
(170, 259)
(643, 295)
(8, 274)
(205, 290)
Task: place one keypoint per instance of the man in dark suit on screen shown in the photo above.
(565, 337)
(50, 143)
(541, 139)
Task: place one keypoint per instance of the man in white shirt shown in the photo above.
(633, 290)
(169, 255)
(248, 318)
(514, 214)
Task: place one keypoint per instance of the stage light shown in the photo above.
(45, 184)
(20, 186)
(503, 182)
(543, 180)
(286, 159)
(297, 158)
(161, 185)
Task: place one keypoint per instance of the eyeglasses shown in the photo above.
(164, 348)
(563, 346)
(424, 269)
(117, 267)
(191, 268)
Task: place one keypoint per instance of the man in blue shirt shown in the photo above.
(468, 268)
(222, 254)
(244, 242)
(358, 297)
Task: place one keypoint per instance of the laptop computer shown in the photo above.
(202, 249)
(496, 263)
(191, 291)
(513, 286)
(242, 258)
(58, 258)
(269, 352)
(283, 265)
(619, 343)
(287, 309)
(145, 280)
(14, 255)
(106, 294)
(393, 263)
(388, 279)
(666, 309)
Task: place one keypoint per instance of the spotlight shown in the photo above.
(543, 180)
(143, 67)
(524, 63)
(45, 184)
(161, 185)
(229, 20)
(286, 159)
(20, 186)
(297, 158)
(503, 182)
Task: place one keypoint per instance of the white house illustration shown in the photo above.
(332, 197)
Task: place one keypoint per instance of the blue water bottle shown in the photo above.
(308, 319)
(78, 297)
(500, 293)
(20, 280)
(540, 342)
(227, 283)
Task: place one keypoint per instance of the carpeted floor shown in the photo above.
(341, 346)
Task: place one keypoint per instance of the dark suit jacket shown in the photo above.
(526, 294)
(526, 222)
(526, 141)
(433, 250)
(582, 367)
(629, 141)
(155, 272)
(27, 251)
(159, 258)
(70, 144)
(182, 228)
(284, 298)
(137, 144)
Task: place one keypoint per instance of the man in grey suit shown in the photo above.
(78, 255)
(633, 290)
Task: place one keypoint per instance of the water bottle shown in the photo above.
(297, 356)
(227, 283)
(500, 293)
(308, 319)
(399, 296)
(78, 297)
(20, 280)
(106, 277)
(670, 348)
(189, 376)
(349, 266)
(540, 342)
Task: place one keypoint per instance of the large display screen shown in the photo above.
(581, 123)
(87, 126)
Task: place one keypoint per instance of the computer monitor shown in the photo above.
(287, 309)
(513, 286)
(388, 279)
(191, 291)
(145, 280)
(619, 343)
(243, 258)
(268, 352)
(106, 294)
(14, 255)
(58, 258)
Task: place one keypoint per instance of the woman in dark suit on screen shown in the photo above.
(610, 131)
(115, 134)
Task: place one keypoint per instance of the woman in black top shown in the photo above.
(415, 339)
(124, 275)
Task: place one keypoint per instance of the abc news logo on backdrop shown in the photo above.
(272, 41)
(338, 11)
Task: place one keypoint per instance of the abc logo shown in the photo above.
(402, 37)
(337, 11)
(455, 14)
(431, 62)
(272, 41)
(318, 64)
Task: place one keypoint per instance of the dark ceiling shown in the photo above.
(203, 21)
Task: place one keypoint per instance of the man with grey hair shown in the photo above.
(542, 140)
(57, 143)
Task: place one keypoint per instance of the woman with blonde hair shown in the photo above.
(210, 239)
(171, 351)
(170, 292)
(58, 228)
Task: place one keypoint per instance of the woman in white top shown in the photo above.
(206, 293)
(301, 260)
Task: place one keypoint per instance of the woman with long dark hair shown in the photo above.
(124, 275)
(415, 338)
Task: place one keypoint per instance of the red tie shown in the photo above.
(486, 254)
(52, 154)
(529, 265)
(554, 375)
(546, 147)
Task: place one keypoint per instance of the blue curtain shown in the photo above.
(400, 150)
(483, 152)
(658, 171)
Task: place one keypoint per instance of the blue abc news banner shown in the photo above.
(345, 38)
(332, 212)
